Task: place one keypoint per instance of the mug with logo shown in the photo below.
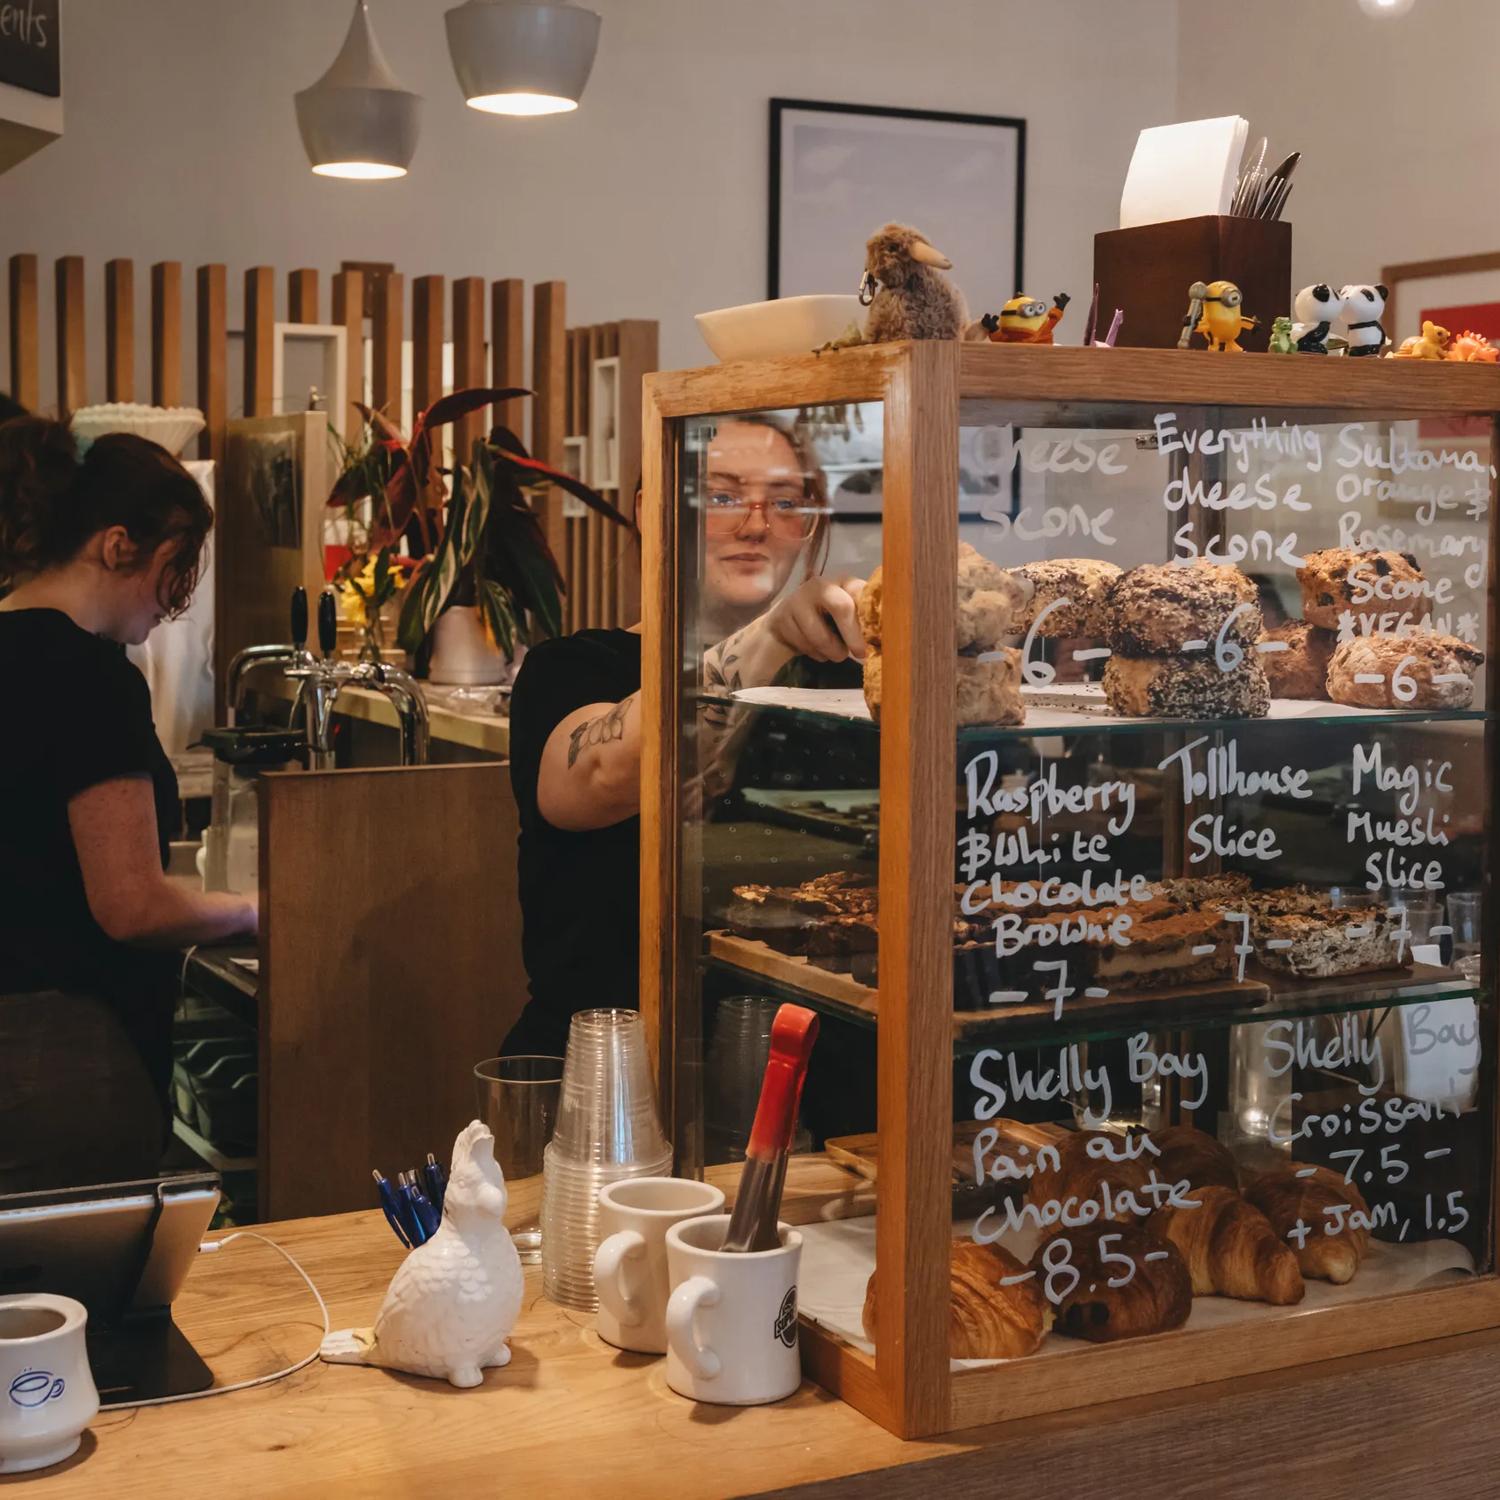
(630, 1266)
(731, 1319)
(47, 1394)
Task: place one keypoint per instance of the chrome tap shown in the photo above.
(284, 655)
(321, 680)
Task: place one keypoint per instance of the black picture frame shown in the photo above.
(779, 109)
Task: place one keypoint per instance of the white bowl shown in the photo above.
(789, 325)
(171, 426)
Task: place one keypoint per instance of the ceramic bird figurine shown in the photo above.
(452, 1303)
(915, 300)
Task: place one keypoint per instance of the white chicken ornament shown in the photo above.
(452, 1303)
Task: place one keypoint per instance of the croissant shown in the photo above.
(1091, 1179)
(1192, 1154)
(1153, 1291)
(1332, 1248)
(986, 1320)
(1231, 1249)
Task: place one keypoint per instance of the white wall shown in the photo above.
(649, 202)
(1398, 122)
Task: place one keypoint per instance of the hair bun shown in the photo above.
(38, 464)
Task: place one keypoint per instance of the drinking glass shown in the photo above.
(1421, 918)
(518, 1099)
(1464, 917)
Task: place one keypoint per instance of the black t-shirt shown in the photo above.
(80, 715)
(580, 892)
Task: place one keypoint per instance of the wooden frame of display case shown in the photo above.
(908, 1386)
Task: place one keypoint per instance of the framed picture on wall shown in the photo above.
(840, 171)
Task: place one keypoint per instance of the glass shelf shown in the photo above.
(824, 709)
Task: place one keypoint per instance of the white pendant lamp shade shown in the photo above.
(513, 58)
(356, 120)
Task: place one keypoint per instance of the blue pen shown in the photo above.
(427, 1215)
(389, 1207)
(412, 1220)
(437, 1183)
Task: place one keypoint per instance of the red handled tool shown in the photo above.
(752, 1226)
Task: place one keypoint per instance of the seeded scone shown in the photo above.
(1156, 609)
(988, 602)
(1377, 671)
(1185, 687)
(1084, 582)
(1327, 580)
(1301, 670)
(988, 687)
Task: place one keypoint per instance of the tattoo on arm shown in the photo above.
(600, 731)
(722, 667)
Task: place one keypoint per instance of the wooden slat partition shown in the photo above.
(549, 352)
(427, 330)
(260, 335)
(368, 1039)
(72, 367)
(348, 313)
(25, 328)
(576, 419)
(639, 354)
(119, 330)
(468, 360)
(387, 329)
(213, 358)
(508, 351)
(166, 333)
(594, 552)
(302, 296)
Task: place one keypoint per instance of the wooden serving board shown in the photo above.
(859, 1153)
(796, 972)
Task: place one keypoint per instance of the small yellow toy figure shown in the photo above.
(1431, 343)
(1220, 320)
(1024, 320)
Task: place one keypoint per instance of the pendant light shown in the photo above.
(356, 120)
(514, 58)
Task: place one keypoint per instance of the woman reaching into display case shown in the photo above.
(575, 721)
(97, 552)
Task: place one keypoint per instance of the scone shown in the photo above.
(1185, 687)
(1327, 586)
(1084, 582)
(987, 602)
(1156, 609)
(1300, 671)
(1405, 671)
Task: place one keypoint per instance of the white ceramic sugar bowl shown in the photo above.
(47, 1394)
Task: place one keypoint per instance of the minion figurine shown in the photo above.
(1220, 320)
(1024, 320)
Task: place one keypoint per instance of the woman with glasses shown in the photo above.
(575, 717)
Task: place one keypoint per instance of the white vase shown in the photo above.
(462, 655)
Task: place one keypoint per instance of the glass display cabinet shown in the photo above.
(1138, 873)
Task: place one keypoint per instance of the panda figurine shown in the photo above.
(1364, 307)
(1315, 308)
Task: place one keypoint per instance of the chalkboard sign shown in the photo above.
(31, 45)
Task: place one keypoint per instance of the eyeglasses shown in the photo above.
(786, 512)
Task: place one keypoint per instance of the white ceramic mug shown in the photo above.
(731, 1319)
(47, 1394)
(630, 1266)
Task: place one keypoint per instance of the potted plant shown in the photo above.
(485, 580)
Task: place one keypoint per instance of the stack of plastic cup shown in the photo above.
(608, 1129)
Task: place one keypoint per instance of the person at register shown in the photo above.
(575, 718)
(95, 553)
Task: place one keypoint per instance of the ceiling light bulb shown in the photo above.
(1386, 9)
(516, 58)
(356, 120)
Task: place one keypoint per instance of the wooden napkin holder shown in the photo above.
(1148, 270)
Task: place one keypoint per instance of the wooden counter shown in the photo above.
(475, 731)
(571, 1416)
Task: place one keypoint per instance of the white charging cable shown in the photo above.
(208, 1246)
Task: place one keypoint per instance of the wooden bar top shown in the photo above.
(571, 1416)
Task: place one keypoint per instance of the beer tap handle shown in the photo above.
(328, 622)
(299, 617)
